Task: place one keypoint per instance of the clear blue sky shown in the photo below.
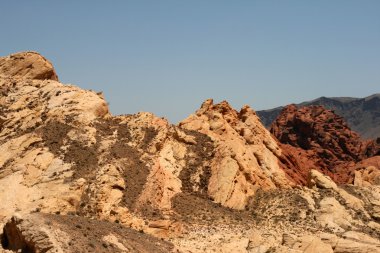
(166, 57)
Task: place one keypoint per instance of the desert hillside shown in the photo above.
(75, 178)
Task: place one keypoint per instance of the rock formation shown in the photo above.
(246, 155)
(74, 178)
(361, 114)
(313, 137)
(30, 65)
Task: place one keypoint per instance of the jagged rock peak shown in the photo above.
(246, 155)
(29, 65)
(225, 108)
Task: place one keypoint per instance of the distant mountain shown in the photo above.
(361, 114)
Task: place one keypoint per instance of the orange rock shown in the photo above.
(27, 65)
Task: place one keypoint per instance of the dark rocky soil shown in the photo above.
(88, 234)
(195, 209)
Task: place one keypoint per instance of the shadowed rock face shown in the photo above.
(74, 178)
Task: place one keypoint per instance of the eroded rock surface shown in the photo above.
(74, 178)
(27, 65)
(246, 155)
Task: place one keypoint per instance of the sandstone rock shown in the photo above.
(27, 236)
(315, 138)
(306, 244)
(246, 157)
(163, 224)
(317, 179)
(353, 242)
(238, 245)
(372, 147)
(367, 172)
(27, 65)
(333, 215)
(361, 114)
(53, 233)
(217, 182)
(219, 238)
(316, 128)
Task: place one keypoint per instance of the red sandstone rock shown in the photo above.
(316, 138)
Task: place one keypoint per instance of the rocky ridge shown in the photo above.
(217, 182)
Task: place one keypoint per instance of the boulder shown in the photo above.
(29, 65)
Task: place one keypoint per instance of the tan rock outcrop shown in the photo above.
(27, 65)
(366, 172)
(34, 115)
(319, 180)
(246, 157)
(306, 244)
(352, 242)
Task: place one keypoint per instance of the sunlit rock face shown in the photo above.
(30, 65)
(246, 155)
(216, 182)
